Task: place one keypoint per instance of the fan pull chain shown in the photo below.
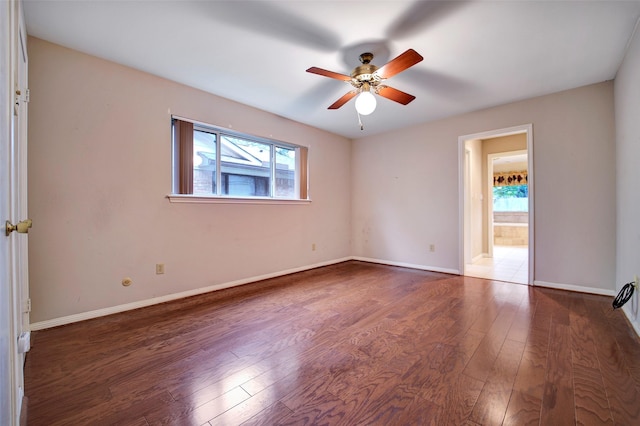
(360, 121)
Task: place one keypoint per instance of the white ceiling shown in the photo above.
(477, 54)
(510, 159)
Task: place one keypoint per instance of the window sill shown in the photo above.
(187, 198)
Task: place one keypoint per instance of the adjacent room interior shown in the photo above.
(496, 208)
(197, 235)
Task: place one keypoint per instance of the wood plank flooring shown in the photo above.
(348, 344)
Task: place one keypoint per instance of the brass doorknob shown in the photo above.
(21, 227)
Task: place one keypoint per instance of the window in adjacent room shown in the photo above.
(216, 162)
(514, 198)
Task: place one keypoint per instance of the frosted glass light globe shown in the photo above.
(365, 103)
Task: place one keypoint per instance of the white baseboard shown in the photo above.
(576, 288)
(19, 404)
(479, 257)
(41, 325)
(407, 265)
(635, 323)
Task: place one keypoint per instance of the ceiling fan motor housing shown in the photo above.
(364, 73)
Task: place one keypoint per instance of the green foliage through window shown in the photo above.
(515, 191)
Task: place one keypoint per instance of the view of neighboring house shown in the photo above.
(246, 167)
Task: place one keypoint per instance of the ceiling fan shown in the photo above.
(367, 78)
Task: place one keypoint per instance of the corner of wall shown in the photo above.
(627, 127)
(633, 317)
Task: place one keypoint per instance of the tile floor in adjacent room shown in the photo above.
(509, 263)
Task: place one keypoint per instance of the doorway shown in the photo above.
(497, 244)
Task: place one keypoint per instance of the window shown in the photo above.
(215, 162)
(514, 198)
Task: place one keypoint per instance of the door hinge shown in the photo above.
(25, 98)
(27, 306)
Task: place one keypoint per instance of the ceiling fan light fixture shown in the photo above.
(368, 76)
(365, 103)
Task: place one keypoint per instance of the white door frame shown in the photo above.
(467, 228)
(21, 200)
(527, 129)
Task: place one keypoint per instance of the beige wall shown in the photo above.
(627, 104)
(99, 171)
(405, 187)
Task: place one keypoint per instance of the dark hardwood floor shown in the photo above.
(348, 344)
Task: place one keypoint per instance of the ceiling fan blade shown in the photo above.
(395, 95)
(343, 100)
(421, 15)
(330, 74)
(399, 64)
(272, 20)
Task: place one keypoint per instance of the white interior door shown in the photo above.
(14, 287)
(7, 344)
(19, 204)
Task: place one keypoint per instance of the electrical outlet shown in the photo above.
(432, 247)
(159, 268)
(313, 247)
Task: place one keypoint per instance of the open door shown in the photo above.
(14, 287)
